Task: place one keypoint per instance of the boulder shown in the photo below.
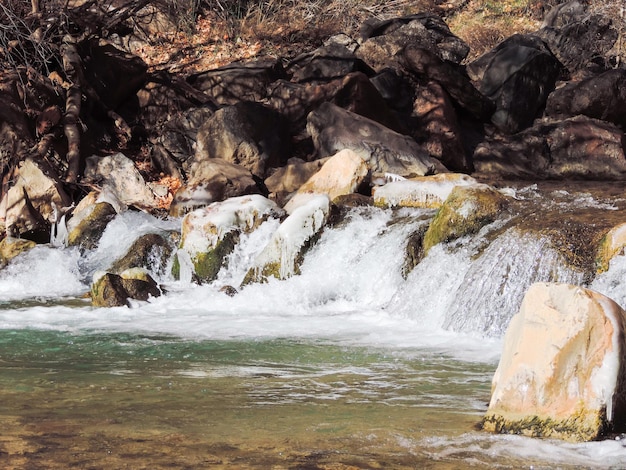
(248, 134)
(33, 202)
(353, 92)
(579, 147)
(113, 290)
(438, 130)
(178, 135)
(600, 96)
(425, 192)
(150, 251)
(118, 175)
(239, 81)
(88, 223)
(342, 174)
(213, 180)
(476, 69)
(381, 40)
(332, 60)
(385, 151)
(11, 247)
(283, 255)
(519, 79)
(467, 209)
(611, 245)
(290, 177)
(452, 78)
(583, 43)
(561, 373)
(210, 234)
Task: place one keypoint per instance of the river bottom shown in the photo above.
(123, 401)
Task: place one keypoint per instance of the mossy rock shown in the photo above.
(580, 427)
(207, 265)
(150, 251)
(11, 247)
(88, 232)
(466, 210)
(611, 245)
(114, 290)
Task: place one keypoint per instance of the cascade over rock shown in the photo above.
(88, 223)
(423, 191)
(282, 256)
(342, 174)
(562, 371)
(209, 234)
(466, 210)
(150, 251)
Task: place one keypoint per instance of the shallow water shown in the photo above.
(348, 365)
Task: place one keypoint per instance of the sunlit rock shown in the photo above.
(212, 180)
(341, 174)
(289, 178)
(282, 256)
(29, 205)
(87, 225)
(113, 290)
(210, 234)
(119, 175)
(10, 247)
(466, 210)
(612, 244)
(561, 373)
(424, 191)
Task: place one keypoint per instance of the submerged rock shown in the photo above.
(282, 256)
(562, 371)
(210, 234)
(466, 210)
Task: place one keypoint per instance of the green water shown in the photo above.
(128, 401)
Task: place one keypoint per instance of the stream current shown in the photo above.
(348, 365)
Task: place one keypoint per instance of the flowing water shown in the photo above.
(348, 365)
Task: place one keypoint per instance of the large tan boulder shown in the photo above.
(118, 175)
(422, 191)
(35, 199)
(290, 177)
(341, 174)
(561, 373)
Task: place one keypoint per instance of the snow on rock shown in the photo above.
(422, 191)
(209, 234)
(282, 255)
(561, 373)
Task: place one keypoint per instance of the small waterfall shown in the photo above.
(185, 267)
(495, 284)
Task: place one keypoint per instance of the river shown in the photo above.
(348, 365)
